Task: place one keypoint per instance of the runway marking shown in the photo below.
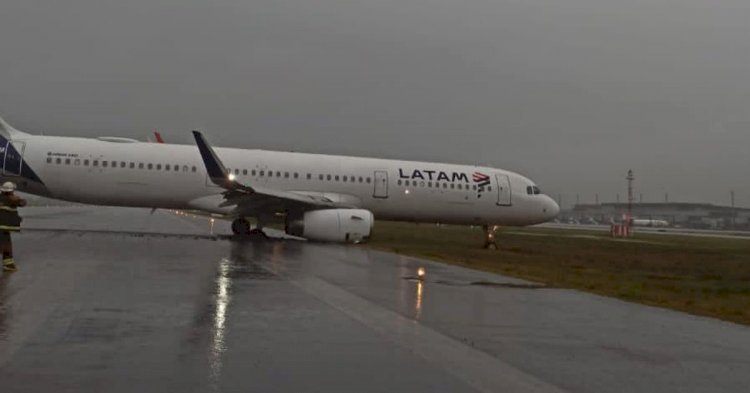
(479, 370)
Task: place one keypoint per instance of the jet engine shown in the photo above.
(332, 225)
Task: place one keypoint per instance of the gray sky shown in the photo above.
(569, 92)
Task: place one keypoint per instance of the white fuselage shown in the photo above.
(174, 177)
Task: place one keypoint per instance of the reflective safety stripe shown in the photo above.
(9, 228)
(8, 208)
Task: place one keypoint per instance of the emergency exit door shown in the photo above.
(381, 185)
(503, 190)
(13, 158)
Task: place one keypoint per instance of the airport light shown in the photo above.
(231, 177)
(421, 273)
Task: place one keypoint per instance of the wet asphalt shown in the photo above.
(121, 300)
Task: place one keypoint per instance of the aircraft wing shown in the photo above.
(254, 200)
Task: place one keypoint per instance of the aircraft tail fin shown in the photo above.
(8, 131)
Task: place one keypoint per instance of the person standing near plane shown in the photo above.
(10, 221)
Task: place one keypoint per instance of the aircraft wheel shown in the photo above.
(258, 232)
(240, 226)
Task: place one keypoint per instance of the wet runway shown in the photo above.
(132, 301)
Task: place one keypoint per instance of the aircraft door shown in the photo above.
(381, 185)
(13, 158)
(503, 190)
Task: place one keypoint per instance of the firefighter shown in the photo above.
(10, 221)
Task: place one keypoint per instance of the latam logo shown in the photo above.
(481, 179)
(428, 174)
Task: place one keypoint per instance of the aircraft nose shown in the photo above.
(551, 208)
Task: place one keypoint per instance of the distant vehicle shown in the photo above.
(589, 221)
(642, 222)
(317, 197)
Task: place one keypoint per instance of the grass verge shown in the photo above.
(702, 276)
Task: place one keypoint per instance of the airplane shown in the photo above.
(318, 197)
(648, 222)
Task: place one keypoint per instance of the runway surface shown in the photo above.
(132, 301)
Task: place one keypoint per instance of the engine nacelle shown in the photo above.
(332, 225)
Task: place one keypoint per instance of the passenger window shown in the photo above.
(398, 182)
(236, 171)
(114, 164)
(320, 177)
(77, 162)
(105, 163)
(67, 161)
(140, 165)
(262, 173)
(194, 169)
(85, 162)
(369, 180)
(253, 172)
(360, 179)
(453, 186)
(49, 160)
(132, 165)
(429, 184)
(309, 176)
(460, 186)
(244, 172)
(421, 184)
(286, 175)
(184, 168)
(150, 166)
(328, 177)
(96, 163)
(270, 173)
(336, 177)
(345, 178)
(445, 185)
(166, 167)
(474, 187)
(296, 175)
(58, 160)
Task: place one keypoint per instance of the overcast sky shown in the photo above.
(569, 92)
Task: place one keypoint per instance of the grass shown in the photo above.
(699, 275)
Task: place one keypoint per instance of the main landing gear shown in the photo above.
(241, 227)
(489, 237)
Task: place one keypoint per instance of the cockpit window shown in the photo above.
(533, 190)
(537, 191)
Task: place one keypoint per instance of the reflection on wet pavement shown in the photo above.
(162, 303)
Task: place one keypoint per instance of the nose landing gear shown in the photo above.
(489, 237)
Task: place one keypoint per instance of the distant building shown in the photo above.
(687, 215)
